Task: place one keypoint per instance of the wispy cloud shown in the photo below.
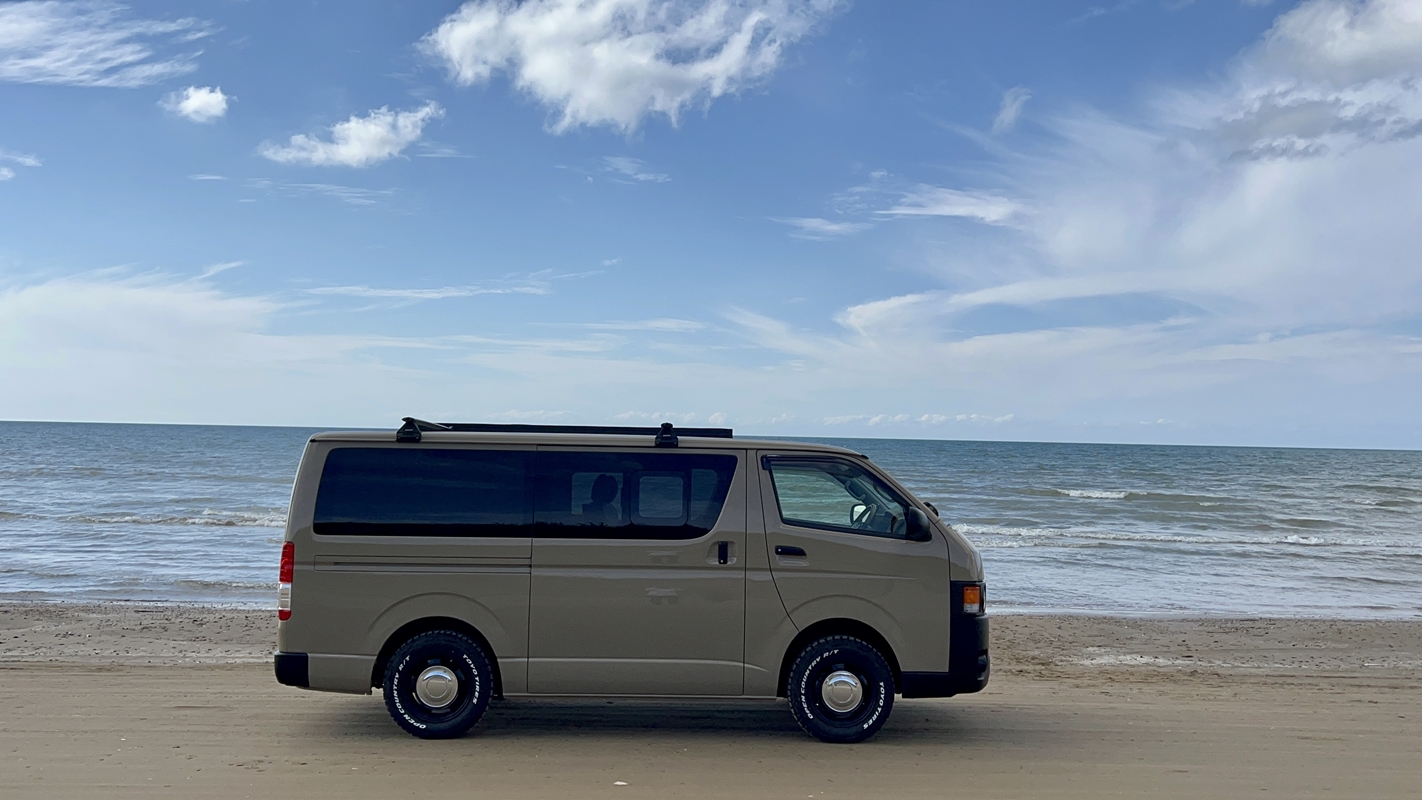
(22, 159)
(220, 268)
(197, 103)
(935, 201)
(354, 195)
(614, 62)
(359, 141)
(203, 176)
(634, 168)
(666, 325)
(817, 228)
(93, 43)
(441, 293)
(1013, 100)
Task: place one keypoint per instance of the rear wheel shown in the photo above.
(438, 684)
(841, 689)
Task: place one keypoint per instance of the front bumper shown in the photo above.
(969, 664)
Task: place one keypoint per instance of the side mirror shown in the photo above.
(856, 511)
(916, 527)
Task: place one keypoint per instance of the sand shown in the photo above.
(154, 701)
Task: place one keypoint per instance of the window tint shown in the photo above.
(424, 492)
(630, 495)
(835, 495)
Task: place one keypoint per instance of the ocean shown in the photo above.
(195, 514)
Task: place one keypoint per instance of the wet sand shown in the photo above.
(135, 701)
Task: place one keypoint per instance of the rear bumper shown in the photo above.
(292, 669)
(969, 664)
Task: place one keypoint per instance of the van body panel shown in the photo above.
(769, 630)
(898, 587)
(626, 616)
(331, 673)
(351, 593)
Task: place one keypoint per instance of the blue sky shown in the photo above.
(1177, 222)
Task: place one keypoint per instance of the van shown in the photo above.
(449, 564)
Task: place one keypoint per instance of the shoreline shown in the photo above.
(1033, 645)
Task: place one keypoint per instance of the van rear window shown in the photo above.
(424, 492)
(630, 495)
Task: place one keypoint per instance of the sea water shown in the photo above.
(195, 513)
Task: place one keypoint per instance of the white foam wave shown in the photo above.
(238, 519)
(1057, 537)
(1093, 494)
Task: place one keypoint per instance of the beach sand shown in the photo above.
(151, 701)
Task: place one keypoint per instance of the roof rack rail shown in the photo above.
(666, 435)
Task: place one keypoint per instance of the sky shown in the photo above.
(1173, 222)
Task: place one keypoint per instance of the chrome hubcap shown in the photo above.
(437, 686)
(842, 691)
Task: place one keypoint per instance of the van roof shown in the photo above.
(579, 435)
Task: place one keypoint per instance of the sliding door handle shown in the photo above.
(723, 552)
(783, 550)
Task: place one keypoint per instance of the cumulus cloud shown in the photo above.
(6, 173)
(1013, 101)
(93, 43)
(614, 62)
(197, 103)
(359, 141)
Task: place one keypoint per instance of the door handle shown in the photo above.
(723, 552)
(783, 550)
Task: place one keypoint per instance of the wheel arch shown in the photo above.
(416, 627)
(835, 627)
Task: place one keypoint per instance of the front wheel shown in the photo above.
(438, 684)
(841, 689)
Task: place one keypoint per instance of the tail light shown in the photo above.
(288, 567)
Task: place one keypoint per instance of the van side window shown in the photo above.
(424, 492)
(629, 495)
(835, 495)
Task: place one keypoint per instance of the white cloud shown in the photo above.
(816, 228)
(664, 324)
(614, 62)
(634, 168)
(354, 195)
(685, 418)
(441, 293)
(934, 201)
(92, 43)
(197, 103)
(359, 141)
(23, 160)
(202, 176)
(19, 158)
(1012, 102)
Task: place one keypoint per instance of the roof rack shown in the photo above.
(665, 436)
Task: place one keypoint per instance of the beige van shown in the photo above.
(450, 564)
